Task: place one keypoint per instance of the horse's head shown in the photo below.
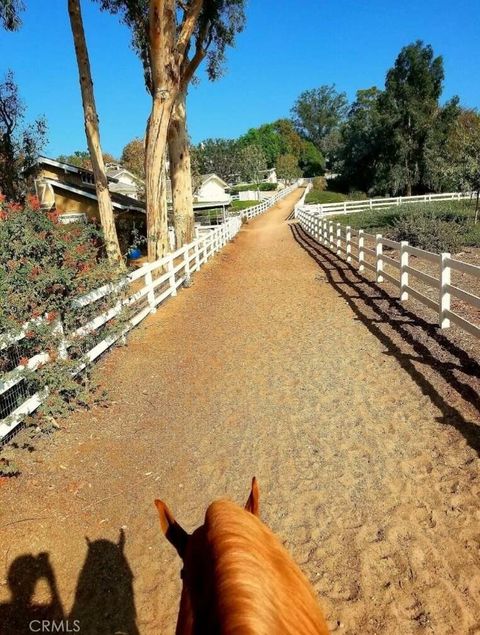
(197, 572)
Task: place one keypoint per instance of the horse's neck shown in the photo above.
(257, 586)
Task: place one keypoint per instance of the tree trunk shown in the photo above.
(155, 186)
(93, 134)
(180, 174)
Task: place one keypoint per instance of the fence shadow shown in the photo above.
(385, 317)
(104, 598)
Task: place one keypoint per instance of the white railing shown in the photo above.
(348, 207)
(367, 251)
(251, 212)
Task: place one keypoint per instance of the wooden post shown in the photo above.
(379, 257)
(339, 239)
(197, 255)
(445, 278)
(148, 279)
(62, 344)
(171, 279)
(361, 253)
(349, 243)
(186, 262)
(330, 235)
(403, 272)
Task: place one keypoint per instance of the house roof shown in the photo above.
(68, 167)
(116, 170)
(119, 201)
(206, 177)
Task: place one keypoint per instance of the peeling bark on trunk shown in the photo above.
(180, 174)
(156, 146)
(93, 134)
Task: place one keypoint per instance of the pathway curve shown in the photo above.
(269, 364)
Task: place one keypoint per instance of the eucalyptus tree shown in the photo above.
(172, 38)
(10, 11)
(318, 115)
(409, 106)
(92, 131)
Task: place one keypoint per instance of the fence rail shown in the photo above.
(348, 207)
(351, 245)
(147, 287)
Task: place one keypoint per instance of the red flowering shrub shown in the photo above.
(44, 266)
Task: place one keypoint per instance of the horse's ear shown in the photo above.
(174, 533)
(252, 505)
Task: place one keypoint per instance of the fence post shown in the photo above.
(361, 253)
(379, 257)
(339, 239)
(330, 235)
(445, 275)
(62, 345)
(197, 255)
(403, 271)
(171, 279)
(349, 243)
(186, 263)
(148, 279)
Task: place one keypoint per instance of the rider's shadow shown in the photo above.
(23, 615)
(104, 599)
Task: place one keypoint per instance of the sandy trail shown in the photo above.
(270, 364)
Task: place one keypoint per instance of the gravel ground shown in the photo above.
(359, 420)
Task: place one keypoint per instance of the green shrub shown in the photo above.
(44, 266)
(319, 183)
(459, 214)
(263, 187)
(427, 231)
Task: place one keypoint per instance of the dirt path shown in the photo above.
(270, 365)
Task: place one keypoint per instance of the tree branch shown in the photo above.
(188, 26)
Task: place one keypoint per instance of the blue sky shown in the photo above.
(287, 47)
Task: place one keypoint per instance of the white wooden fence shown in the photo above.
(348, 207)
(395, 266)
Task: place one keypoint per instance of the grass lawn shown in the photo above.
(326, 196)
(315, 196)
(238, 206)
(458, 214)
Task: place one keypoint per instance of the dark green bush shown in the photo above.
(427, 231)
(263, 187)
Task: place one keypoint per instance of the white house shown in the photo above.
(124, 182)
(270, 176)
(212, 188)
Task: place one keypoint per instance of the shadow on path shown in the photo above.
(395, 326)
(104, 599)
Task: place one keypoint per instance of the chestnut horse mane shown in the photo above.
(258, 588)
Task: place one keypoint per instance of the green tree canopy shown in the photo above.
(408, 106)
(133, 157)
(10, 11)
(287, 168)
(318, 114)
(20, 144)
